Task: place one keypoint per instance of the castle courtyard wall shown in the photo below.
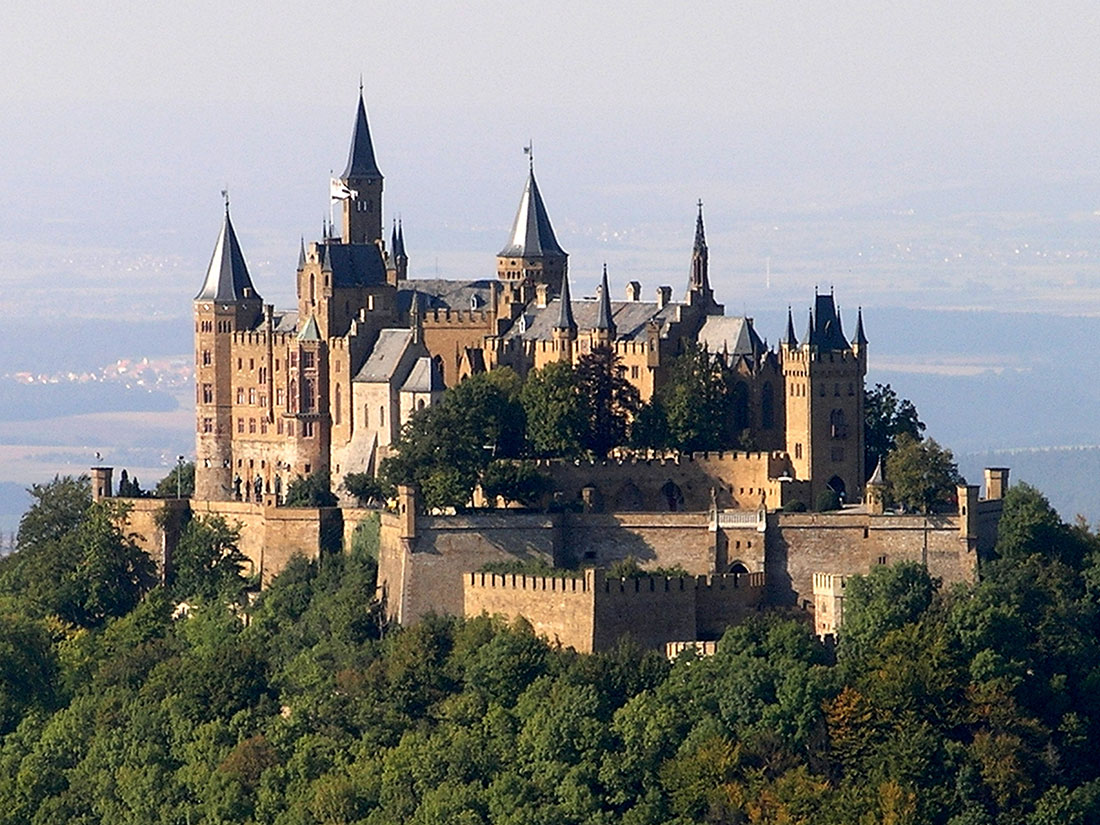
(561, 609)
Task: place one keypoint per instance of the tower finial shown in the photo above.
(225, 197)
(360, 84)
(529, 150)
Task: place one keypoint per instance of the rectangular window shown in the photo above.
(293, 359)
(240, 425)
(263, 426)
(207, 393)
(290, 428)
(252, 425)
(252, 395)
(279, 426)
(206, 358)
(307, 360)
(240, 363)
(263, 399)
(279, 397)
(277, 365)
(634, 372)
(798, 451)
(263, 375)
(252, 363)
(307, 429)
(240, 395)
(208, 425)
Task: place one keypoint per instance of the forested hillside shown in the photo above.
(975, 705)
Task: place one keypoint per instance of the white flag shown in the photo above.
(339, 192)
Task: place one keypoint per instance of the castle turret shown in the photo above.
(790, 340)
(565, 328)
(699, 292)
(603, 333)
(362, 204)
(875, 493)
(226, 304)
(532, 254)
(824, 404)
(398, 262)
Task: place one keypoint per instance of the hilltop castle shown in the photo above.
(326, 386)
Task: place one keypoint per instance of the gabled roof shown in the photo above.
(361, 163)
(353, 264)
(425, 376)
(532, 236)
(730, 334)
(227, 276)
(386, 355)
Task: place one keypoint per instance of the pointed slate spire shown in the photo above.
(361, 163)
(399, 242)
(565, 309)
(700, 235)
(810, 337)
(790, 340)
(393, 241)
(326, 262)
(301, 254)
(532, 235)
(603, 317)
(860, 339)
(227, 276)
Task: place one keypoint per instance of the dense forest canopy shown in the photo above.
(962, 706)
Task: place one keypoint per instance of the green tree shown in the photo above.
(28, 669)
(608, 400)
(366, 488)
(922, 475)
(886, 417)
(885, 599)
(445, 448)
(207, 561)
(515, 481)
(129, 487)
(167, 486)
(315, 490)
(552, 406)
(58, 507)
(695, 405)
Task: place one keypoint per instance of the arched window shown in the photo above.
(337, 405)
(674, 496)
(312, 289)
(767, 407)
(293, 396)
(837, 424)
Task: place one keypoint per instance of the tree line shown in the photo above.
(966, 705)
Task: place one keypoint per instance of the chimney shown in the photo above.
(664, 296)
(634, 291)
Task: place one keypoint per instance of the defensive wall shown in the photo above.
(692, 482)
(591, 612)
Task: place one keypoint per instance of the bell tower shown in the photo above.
(360, 189)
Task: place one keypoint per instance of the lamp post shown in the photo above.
(179, 476)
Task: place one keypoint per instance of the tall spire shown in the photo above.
(301, 254)
(860, 339)
(603, 317)
(790, 340)
(361, 163)
(227, 276)
(565, 310)
(532, 235)
(700, 235)
(399, 243)
(810, 338)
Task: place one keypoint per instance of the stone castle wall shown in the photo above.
(590, 612)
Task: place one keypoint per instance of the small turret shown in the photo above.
(301, 254)
(605, 324)
(875, 492)
(790, 340)
(565, 328)
(809, 339)
(859, 343)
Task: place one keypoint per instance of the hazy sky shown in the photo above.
(124, 120)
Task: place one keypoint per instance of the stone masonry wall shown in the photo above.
(561, 609)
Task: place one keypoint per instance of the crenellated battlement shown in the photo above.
(457, 317)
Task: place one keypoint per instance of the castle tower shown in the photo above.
(699, 292)
(227, 303)
(565, 329)
(603, 334)
(362, 208)
(824, 403)
(398, 262)
(532, 254)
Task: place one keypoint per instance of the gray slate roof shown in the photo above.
(227, 276)
(354, 264)
(285, 320)
(629, 317)
(386, 355)
(532, 236)
(425, 376)
(310, 332)
(361, 163)
(437, 293)
(733, 334)
(828, 333)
